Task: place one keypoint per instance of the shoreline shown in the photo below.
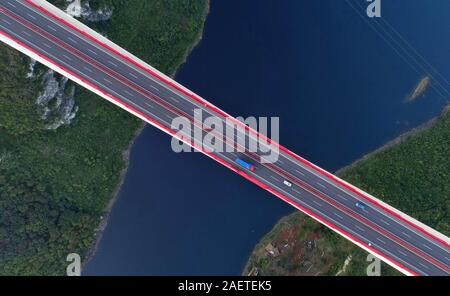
(196, 43)
(399, 139)
(104, 218)
(98, 234)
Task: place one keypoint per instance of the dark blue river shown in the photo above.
(339, 90)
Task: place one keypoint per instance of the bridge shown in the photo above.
(48, 35)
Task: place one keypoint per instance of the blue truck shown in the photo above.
(245, 164)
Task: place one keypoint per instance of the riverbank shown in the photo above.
(56, 184)
(386, 173)
(400, 139)
(126, 158)
(107, 211)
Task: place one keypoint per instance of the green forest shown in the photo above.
(55, 184)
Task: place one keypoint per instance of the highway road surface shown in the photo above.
(399, 242)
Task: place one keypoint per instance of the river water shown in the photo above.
(339, 90)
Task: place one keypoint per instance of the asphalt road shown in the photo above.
(373, 226)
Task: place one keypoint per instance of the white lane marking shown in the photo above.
(107, 80)
(154, 87)
(112, 63)
(275, 178)
(341, 196)
(168, 116)
(67, 57)
(177, 101)
(428, 247)
(149, 105)
(50, 27)
(9, 23)
(380, 240)
(296, 191)
(87, 69)
(92, 51)
(131, 74)
(423, 265)
(403, 253)
(385, 222)
(301, 173)
(317, 203)
(71, 39)
(30, 15)
(405, 234)
(12, 4)
(321, 185)
(129, 93)
(360, 228)
(280, 161)
(26, 33)
(47, 45)
(447, 258)
(336, 214)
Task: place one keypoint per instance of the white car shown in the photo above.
(287, 183)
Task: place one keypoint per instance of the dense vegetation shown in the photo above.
(13, 70)
(412, 175)
(303, 246)
(54, 185)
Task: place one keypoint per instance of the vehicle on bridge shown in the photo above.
(245, 164)
(360, 205)
(287, 183)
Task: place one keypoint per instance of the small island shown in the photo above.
(420, 89)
